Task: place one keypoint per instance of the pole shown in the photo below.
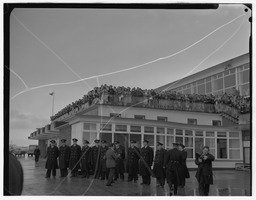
(53, 102)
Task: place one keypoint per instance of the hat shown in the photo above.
(103, 141)
(96, 141)
(159, 144)
(52, 141)
(86, 142)
(182, 145)
(63, 140)
(133, 141)
(206, 147)
(174, 143)
(117, 142)
(145, 141)
(75, 140)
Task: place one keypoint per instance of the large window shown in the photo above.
(218, 84)
(106, 127)
(107, 137)
(244, 77)
(216, 122)
(137, 138)
(192, 121)
(159, 118)
(135, 128)
(230, 80)
(201, 89)
(149, 129)
(170, 140)
(139, 116)
(199, 143)
(121, 127)
(189, 146)
(210, 142)
(89, 126)
(160, 138)
(221, 148)
(115, 115)
(208, 87)
(150, 139)
(160, 130)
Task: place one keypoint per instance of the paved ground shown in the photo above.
(226, 183)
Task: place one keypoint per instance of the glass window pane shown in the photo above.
(234, 143)
(135, 128)
(222, 134)
(179, 132)
(137, 138)
(199, 143)
(233, 134)
(107, 137)
(234, 154)
(89, 126)
(179, 140)
(245, 90)
(160, 138)
(244, 77)
(208, 79)
(210, 142)
(216, 122)
(106, 127)
(86, 136)
(221, 148)
(208, 87)
(218, 84)
(210, 134)
(121, 127)
(246, 66)
(188, 133)
(170, 140)
(212, 151)
(150, 139)
(149, 129)
(170, 131)
(188, 141)
(139, 116)
(200, 81)
(199, 133)
(160, 130)
(230, 81)
(192, 121)
(162, 119)
(190, 153)
(201, 89)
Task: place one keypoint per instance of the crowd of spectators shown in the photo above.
(234, 100)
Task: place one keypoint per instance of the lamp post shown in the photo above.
(52, 94)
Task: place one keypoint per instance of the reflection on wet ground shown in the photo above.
(226, 183)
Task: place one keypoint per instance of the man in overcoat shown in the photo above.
(102, 166)
(37, 154)
(64, 158)
(51, 163)
(96, 158)
(111, 157)
(204, 172)
(75, 154)
(86, 159)
(119, 172)
(184, 170)
(145, 163)
(133, 162)
(158, 168)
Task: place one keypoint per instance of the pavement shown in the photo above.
(226, 183)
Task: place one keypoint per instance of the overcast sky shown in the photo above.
(97, 41)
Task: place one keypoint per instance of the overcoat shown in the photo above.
(52, 155)
(75, 154)
(146, 161)
(64, 157)
(103, 159)
(158, 167)
(120, 160)
(95, 156)
(86, 158)
(184, 169)
(133, 160)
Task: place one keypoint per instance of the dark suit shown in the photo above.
(75, 154)
(86, 160)
(51, 162)
(184, 170)
(158, 168)
(111, 164)
(64, 160)
(95, 160)
(145, 164)
(133, 163)
(102, 165)
(173, 162)
(120, 163)
(37, 154)
(204, 174)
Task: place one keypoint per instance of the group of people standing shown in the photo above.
(107, 163)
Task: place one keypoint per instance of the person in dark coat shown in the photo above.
(75, 154)
(120, 161)
(145, 163)
(158, 167)
(51, 163)
(64, 158)
(172, 164)
(184, 170)
(37, 154)
(102, 165)
(95, 158)
(204, 172)
(111, 158)
(86, 159)
(133, 162)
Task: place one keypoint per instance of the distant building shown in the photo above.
(193, 124)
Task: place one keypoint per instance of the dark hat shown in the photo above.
(182, 145)
(86, 142)
(174, 143)
(159, 144)
(75, 140)
(133, 141)
(96, 141)
(53, 141)
(206, 147)
(103, 141)
(145, 141)
(63, 140)
(117, 142)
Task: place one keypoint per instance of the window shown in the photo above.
(137, 138)
(201, 89)
(222, 134)
(245, 89)
(233, 134)
(234, 153)
(218, 84)
(135, 128)
(115, 115)
(199, 143)
(216, 122)
(234, 143)
(160, 138)
(107, 137)
(244, 77)
(150, 139)
(199, 133)
(230, 80)
(170, 131)
(188, 142)
(208, 87)
(121, 128)
(221, 148)
(179, 132)
(188, 133)
(200, 81)
(179, 139)
(170, 140)
(139, 116)
(89, 126)
(162, 119)
(149, 129)
(160, 130)
(106, 127)
(192, 121)
(210, 142)
(210, 134)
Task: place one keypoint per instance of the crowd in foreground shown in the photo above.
(234, 100)
(107, 163)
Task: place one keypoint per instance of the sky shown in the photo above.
(61, 45)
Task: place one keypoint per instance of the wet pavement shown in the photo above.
(226, 183)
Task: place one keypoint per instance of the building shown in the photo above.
(126, 118)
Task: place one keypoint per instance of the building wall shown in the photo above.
(152, 114)
(65, 133)
(42, 146)
(77, 132)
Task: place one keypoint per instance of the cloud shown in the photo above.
(20, 120)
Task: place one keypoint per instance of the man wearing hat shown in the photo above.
(158, 168)
(51, 163)
(75, 154)
(86, 159)
(64, 158)
(204, 171)
(120, 161)
(95, 158)
(111, 157)
(173, 164)
(184, 170)
(102, 166)
(133, 162)
(145, 163)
